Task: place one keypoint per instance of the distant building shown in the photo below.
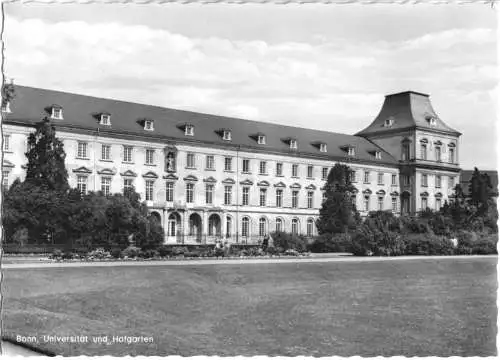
(205, 176)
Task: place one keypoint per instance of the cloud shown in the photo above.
(334, 84)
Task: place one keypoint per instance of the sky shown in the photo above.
(319, 66)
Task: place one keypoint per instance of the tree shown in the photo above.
(8, 93)
(46, 157)
(338, 213)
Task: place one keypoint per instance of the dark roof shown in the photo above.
(466, 175)
(30, 105)
(407, 109)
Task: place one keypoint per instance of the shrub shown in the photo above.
(56, 254)
(486, 245)
(369, 241)
(131, 252)
(177, 250)
(99, 253)
(428, 244)
(289, 241)
(149, 254)
(67, 255)
(165, 251)
(327, 243)
(116, 253)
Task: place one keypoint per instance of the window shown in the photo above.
(189, 130)
(229, 226)
(262, 168)
(295, 199)
(405, 152)
(189, 193)
(310, 197)
(295, 226)
(424, 180)
(394, 204)
(226, 135)
(106, 185)
(388, 122)
(451, 155)
(245, 227)
(105, 119)
(6, 143)
(246, 165)
(324, 173)
(279, 225)
(423, 151)
(246, 196)
(437, 150)
(81, 183)
(295, 170)
(127, 185)
(351, 151)
(310, 227)
(406, 180)
(438, 181)
(228, 163)
(82, 150)
(148, 125)
(310, 171)
(380, 178)
(367, 177)
(451, 182)
(352, 176)
(424, 203)
(106, 152)
(322, 147)
(293, 144)
(190, 160)
(262, 227)
(210, 162)
(57, 113)
(279, 169)
(438, 204)
(127, 154)
(209, 193)
(323, 197)
(150, 156)
(380, 203)
(261, 139)
(393, 180)
(228, 191)
(262, 197)
(378, 155)
(279, 198)
(367, 203)
(170, 192)
(149, 190)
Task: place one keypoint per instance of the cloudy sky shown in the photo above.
(319, 66)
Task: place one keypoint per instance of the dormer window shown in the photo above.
(6, 107)
(105, 119)
(389, 122)
(378, 155)
(322, 147)
(293, 144)
(432, 120)
(351, 151)
(261, 139)
(148, 125)
(189, 130)
(226, 135)
(57, 112)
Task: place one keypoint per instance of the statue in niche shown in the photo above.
(170, 162)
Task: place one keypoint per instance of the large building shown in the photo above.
(205, 176)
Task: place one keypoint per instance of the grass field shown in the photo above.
(439, 307)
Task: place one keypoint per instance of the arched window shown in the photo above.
(310, 227)
(262, 226)
(279, 225)
(245, 226)
(295, 226)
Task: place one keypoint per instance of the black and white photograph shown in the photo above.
(245, 179)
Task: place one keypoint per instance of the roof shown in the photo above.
(30, 105)
(466, 175)
(407, 109)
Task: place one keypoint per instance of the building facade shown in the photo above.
(206, 177)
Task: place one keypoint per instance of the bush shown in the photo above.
(368, 241)
(428, 244)
(149, 254)
(99, 253)
(67, 255)
(56, 254)
(328, 243)
(486, 245)
(289, 241)
(116, 253)
(165, 251)
(177, 250)
(131, 252)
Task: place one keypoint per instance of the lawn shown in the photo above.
(435, 307)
